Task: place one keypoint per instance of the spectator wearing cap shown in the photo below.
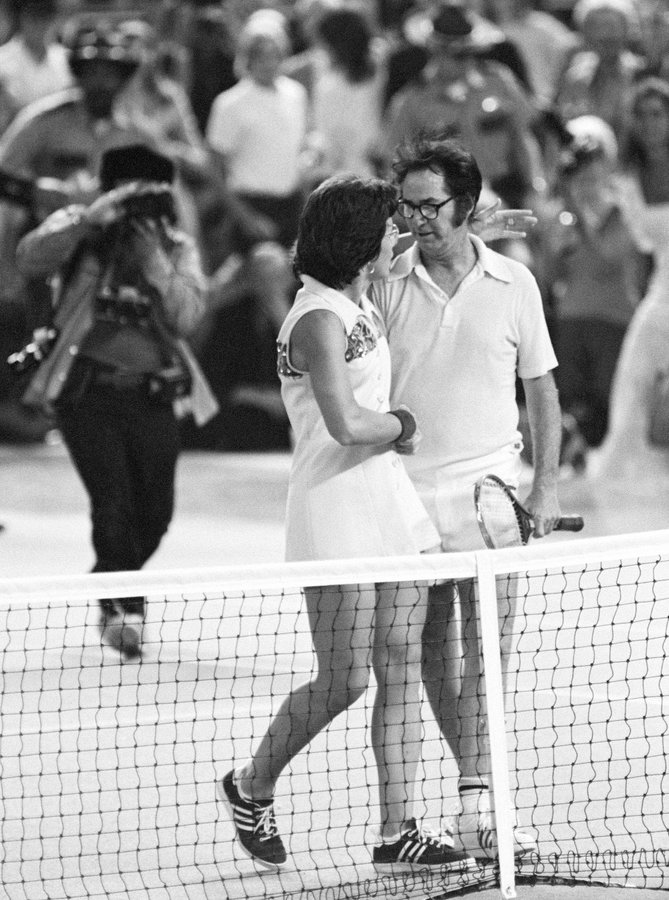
(63, 137)
(471, 98)
(33, 64)
(600, 78)
(259, 126)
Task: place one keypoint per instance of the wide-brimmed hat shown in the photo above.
(88, 43)
(451, 26)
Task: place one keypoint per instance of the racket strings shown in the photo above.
(501, 518)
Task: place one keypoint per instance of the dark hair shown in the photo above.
(445, 157)
(347, 35)
(634, 152)
(341, 228)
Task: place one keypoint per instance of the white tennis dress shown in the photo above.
(353, 501)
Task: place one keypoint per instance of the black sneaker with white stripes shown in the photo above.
(255, 825)
(419, 849)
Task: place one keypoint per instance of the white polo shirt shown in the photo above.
(26, 78)
(455, 359)
(261, 132)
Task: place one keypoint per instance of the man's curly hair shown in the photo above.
(445, 157)
(342, 227)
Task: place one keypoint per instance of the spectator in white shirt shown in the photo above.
(259, 126)
(32, 63)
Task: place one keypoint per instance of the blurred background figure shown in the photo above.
(544, 44)
(247, 300)
(63, 137)
(593, 274)
(473, 99)
(259, 127)
(600, 77)
(631, 456)
(33, 63)
(347, 94)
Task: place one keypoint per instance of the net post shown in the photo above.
(494, 691)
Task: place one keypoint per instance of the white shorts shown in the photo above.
(448, 494)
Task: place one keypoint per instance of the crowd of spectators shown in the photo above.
(257, 101)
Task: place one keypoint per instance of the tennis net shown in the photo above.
(108, 768)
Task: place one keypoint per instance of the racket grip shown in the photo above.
(569, 523)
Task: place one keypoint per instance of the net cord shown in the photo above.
(564, 552)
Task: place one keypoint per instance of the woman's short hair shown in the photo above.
(266, 26)
(342, 227)
(446, 157)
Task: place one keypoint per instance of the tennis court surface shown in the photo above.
(108, 770)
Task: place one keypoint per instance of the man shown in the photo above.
(61, 137)
(33, 64)
(475, 99)
(129, 287)
(600, 77)
(463, 322)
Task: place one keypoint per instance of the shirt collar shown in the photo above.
(490, 263)
(322, 290)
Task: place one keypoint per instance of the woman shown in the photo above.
(348, 94)
(628, 455)
(349, 496)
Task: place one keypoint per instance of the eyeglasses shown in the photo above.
(427, 210)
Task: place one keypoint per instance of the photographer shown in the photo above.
(127, 284)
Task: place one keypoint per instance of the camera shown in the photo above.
(151, 202)
(30, 356)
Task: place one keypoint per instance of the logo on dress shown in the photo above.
(360, 341)
(283, 367)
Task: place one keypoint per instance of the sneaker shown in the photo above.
(123, 632)
(478, 834)
(255, 825)
(418, 849)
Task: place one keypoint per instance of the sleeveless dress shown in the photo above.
(626, 454)
(346, 502)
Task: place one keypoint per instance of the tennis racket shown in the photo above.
(503, 521)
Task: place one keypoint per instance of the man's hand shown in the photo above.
(542, 504)
(109, 207)
(493, 224)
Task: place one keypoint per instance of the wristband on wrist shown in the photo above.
(408, 423)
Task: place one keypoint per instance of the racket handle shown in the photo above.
(569, 523)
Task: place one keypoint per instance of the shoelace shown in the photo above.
(266, 827)
(426, 835)
(445, 836)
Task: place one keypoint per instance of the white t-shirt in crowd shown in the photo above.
(261, 132)
(26, 78)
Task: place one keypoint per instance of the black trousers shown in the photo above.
(124, 446)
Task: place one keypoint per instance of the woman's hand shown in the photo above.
(493, 224)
